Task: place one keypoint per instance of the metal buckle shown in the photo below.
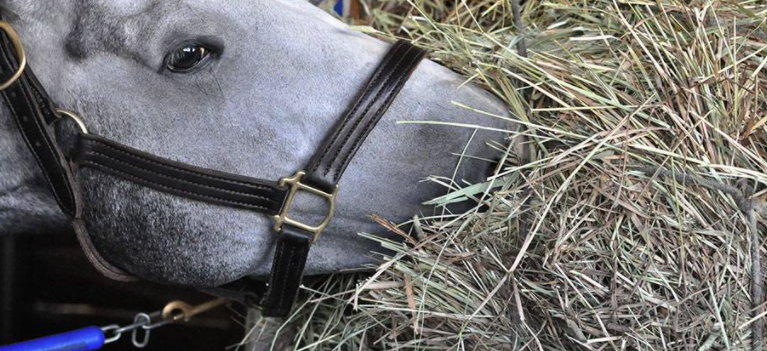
(73, 116)
(16, 42)
(295, 185)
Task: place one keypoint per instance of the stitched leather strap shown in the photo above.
(33, 112)
(180, 179)
(328, 164)
(287, 271)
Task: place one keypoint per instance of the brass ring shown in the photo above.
(22, 58)
(73, 116)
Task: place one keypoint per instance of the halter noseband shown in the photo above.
(35, 114)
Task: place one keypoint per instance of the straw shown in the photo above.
(633, 219)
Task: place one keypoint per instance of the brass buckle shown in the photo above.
(62, 113)
(295, 185)
(16, 42)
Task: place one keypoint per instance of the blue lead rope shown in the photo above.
(85, 339)
(93, 338)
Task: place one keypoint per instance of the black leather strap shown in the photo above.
(328, 164)
(287, 270)
(32, 111)
(180, 179)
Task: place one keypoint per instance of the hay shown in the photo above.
(641, 189)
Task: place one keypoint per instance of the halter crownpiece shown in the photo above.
(35, 115)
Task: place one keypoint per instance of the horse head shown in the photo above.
(244, 87)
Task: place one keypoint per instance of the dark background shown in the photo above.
(47, 286)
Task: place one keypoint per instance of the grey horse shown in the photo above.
(245, 87)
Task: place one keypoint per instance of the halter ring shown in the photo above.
(73, 116)
(20, 56)
(295, 185)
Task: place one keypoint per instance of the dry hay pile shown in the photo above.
(628, 220)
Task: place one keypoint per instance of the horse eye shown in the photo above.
(184, 59)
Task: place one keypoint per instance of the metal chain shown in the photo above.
(173, 312)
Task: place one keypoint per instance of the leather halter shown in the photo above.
(35, 114)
